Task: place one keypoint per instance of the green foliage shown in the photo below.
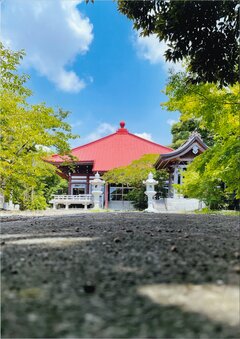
(29, 198)
(222, 212)
(182, 130)
(206, 179)
(214, 175)
(54, 184)
(134, 175)
(203, 32)
(139, 198)
(39, 196)
(37, 203)
(29, 133)
(10, 79)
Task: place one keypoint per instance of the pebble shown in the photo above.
(219, 282)
(32, 317)
(89, 288)
(236, 269)
(14, 272)
(173, 248)
(116, 240)
(237, 255)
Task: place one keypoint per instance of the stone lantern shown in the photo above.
(150, 183)
(97, 184)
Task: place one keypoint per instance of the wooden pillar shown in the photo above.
(87, 184)
(106, 195)
(69, 184)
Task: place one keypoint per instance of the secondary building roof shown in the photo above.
(115, 150)
(187, 152)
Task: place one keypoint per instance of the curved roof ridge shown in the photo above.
(188, 142)
(180, 150)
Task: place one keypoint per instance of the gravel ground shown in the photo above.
(120, 275)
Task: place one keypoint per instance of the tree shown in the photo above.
(203, 180)
(214, 175)
(133, 176)
(182, 130)
(28, 132)
(54, 184)
(205, 33)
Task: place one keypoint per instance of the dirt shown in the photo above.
(120, 275)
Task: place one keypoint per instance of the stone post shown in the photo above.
(175, 181)
(150, 183)
(97, 184)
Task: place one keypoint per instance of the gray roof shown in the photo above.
(195, 138)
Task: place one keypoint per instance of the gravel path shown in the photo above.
(120, 275)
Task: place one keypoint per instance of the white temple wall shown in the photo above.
(121, 205)
(178, 204)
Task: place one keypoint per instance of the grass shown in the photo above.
(220, 212)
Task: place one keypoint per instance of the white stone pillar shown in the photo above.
(170, 188)
(10, 206)
(150, 183)
(175, 181)
(97, 184)
(5, 206)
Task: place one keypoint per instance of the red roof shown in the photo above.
(115, 150)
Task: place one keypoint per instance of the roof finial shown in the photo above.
(122, 129)
(122, 124)
(195, 134)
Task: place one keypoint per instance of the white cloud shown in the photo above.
(76, 123)
(151, 49)
(144, 135)
(53, 33)
(43, 148)
(102, 130)
(171, 122)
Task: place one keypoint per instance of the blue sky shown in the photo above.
(88, 59)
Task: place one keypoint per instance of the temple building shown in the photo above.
(116, 150)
